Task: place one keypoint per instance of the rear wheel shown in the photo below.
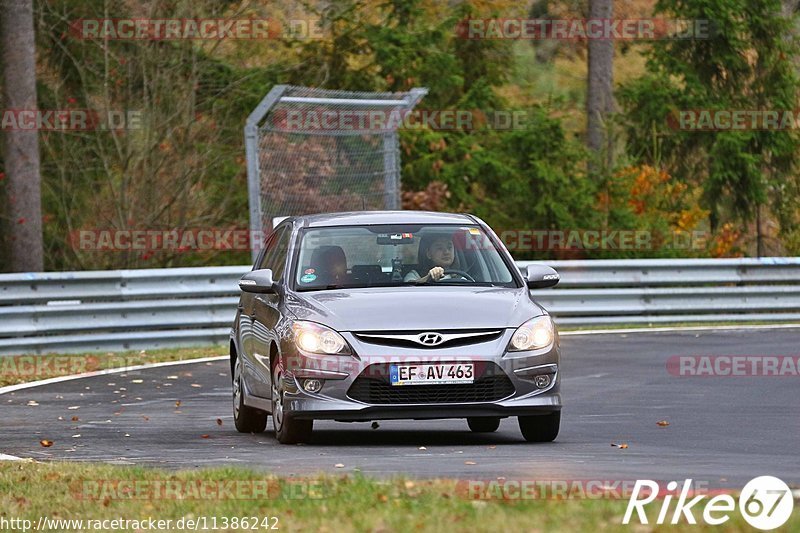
(540, 428)
(483, 424)
(287, 430)
(246, 419)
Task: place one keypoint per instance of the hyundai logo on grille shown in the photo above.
(430, 338)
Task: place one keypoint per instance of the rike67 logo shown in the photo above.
(765, 502)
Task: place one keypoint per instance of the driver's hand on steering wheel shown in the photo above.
(436, 273)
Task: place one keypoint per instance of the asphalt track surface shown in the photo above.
(722, 431)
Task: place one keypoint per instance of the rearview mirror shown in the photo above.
(258, 281)
(541, 277)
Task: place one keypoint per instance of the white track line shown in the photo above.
(59, 379)
(673, 329)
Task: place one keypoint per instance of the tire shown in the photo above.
(483, 424)
(246, 419)
(540, 428)
(288, 430)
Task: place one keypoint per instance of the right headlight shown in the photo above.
(534, 334)
(316, 338)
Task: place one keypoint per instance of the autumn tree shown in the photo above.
(744, 62)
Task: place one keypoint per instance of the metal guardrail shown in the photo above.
(137, 309)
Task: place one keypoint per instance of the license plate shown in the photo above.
(439, 374)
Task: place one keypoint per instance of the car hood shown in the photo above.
(415, 308)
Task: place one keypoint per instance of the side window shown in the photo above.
(274, 258)
(269, 251)
(279, 259)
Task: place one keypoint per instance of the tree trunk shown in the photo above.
(21, 147)
(600, 90)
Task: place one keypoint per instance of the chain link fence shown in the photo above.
(318, 151)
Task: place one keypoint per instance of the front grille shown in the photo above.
(373, 386)
(385, 338)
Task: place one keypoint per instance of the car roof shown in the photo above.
(355, 218)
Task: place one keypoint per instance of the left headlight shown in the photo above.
(315, 338)
(534, 334)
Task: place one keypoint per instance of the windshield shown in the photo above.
(399, 255)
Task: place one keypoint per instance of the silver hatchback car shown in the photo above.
(382, 315)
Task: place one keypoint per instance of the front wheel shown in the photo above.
(483, 424)
(246, 419)
(540, 428)
(287, 430)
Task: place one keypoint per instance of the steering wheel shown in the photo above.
(459, 273)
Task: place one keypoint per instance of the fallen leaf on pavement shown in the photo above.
(662, 423)
(75, 418)
(178, 403)
(219, 421)
(46, 443)
(204, 436)
(469, 462)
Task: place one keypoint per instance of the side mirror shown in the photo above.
(258, 281)
(541, 277)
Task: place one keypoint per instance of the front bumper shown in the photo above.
(334, 400)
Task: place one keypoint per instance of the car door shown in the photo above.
(248, 340)
(266, 310)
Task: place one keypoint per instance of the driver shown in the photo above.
(435, 256)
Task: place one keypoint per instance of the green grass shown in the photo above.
(25, 368)
(348, 503)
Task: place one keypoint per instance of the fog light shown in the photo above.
(542, 381)
(312, 385)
